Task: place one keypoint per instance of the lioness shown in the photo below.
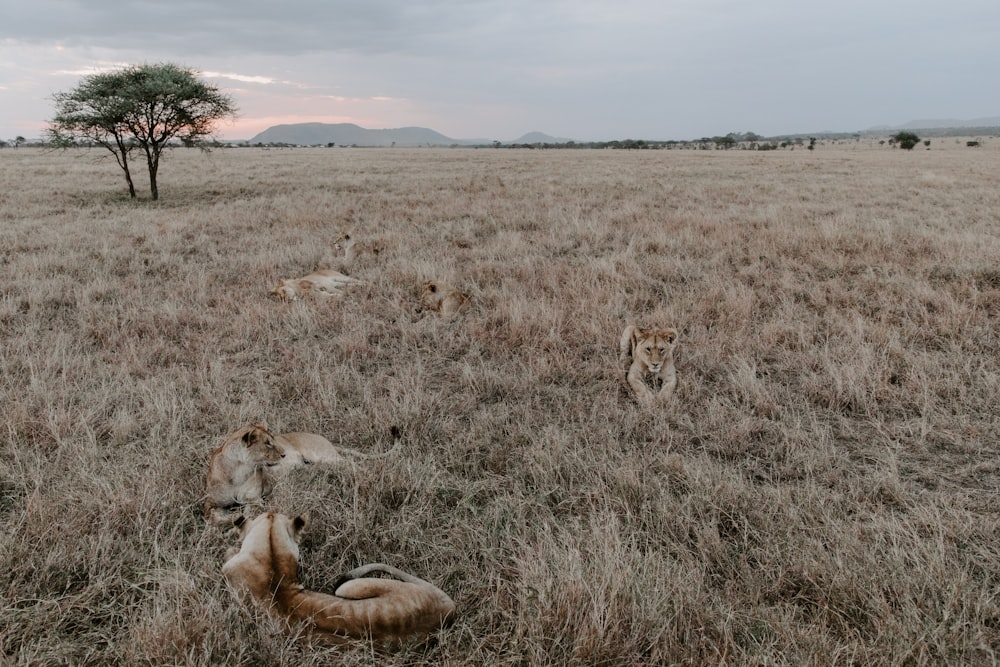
(648, 355)
(327, 282)
(443, 299)
(242, 471)
(266, 567)
(353, 248)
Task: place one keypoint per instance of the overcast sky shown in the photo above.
(496, 69)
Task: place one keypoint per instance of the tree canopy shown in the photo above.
(906, 140)
(142, 107)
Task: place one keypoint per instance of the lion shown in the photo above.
(647, 356)
(265, 568)
(443, 299)
(353, 248)
(327, 282)
(243, 470)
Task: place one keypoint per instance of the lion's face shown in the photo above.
(260, 446)
(655, 347)
(431, 296)
(342, 241)
(287, 290)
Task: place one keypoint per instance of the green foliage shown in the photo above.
(906, 140)
(139, 106)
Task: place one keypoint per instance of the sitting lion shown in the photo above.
(647, 356)
(265, 567)
(242, 471)
(327, 282)
(443, 299)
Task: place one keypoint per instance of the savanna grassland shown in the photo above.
(824, 489)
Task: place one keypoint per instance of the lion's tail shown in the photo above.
(394, 572)
(355, 455)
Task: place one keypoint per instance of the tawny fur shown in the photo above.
(243, 470)
(647, 356)
(354, 248)
(443, 299)
(266, 568)
(324, 283)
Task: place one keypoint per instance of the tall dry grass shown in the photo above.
(822, 490)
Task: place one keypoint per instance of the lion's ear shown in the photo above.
(636, 334)
(671, 335)
(432, 288)
(253, 433)
(298, 525)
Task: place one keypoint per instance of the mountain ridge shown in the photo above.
(349, 134)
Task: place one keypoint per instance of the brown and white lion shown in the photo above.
(443, 299)
(326, 283)
(647, 356)
(265, 567)
(243, 470)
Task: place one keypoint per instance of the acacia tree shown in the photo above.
(906, 140)
(139, 107)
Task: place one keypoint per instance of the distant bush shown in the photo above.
(906, 140)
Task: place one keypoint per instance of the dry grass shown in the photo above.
(823, 489)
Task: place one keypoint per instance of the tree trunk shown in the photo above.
(153, 162)
(128, 179)
(122, 156)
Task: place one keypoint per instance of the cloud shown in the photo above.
(89, 70)
(243, 78)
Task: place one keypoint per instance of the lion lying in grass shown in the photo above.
(242, 471)
(354, 248)
(266, 567)
(327, 282)
(443, 299)
(647, 356)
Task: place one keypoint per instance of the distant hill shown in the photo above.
(349, 134)
(950, 123)
(539, 138)
(947, 124)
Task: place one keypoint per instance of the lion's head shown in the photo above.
(654, 348)
(287, 289)
(269, 546)
(260, 446)
(442, 298)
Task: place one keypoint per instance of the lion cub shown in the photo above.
(443, 299)
(266, 568)
(327, 282)
(243, 470)
(353, 248)
(647, 356)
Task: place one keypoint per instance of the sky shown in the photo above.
(586, 70)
